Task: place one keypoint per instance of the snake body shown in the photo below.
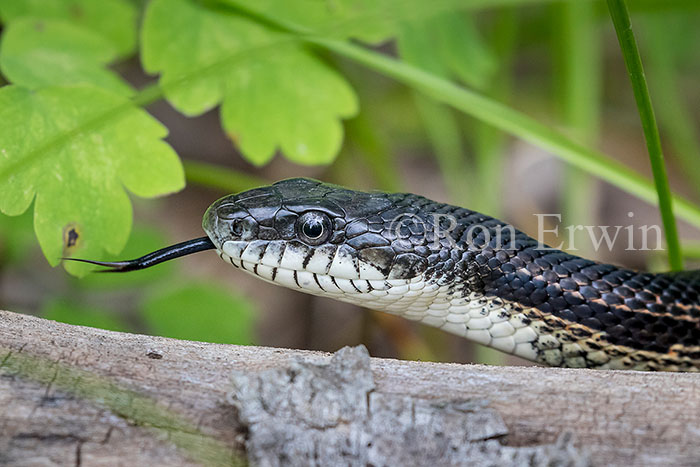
(390, 252)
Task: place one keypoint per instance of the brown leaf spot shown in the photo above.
(71, 236)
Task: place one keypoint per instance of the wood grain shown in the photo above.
(83, 396)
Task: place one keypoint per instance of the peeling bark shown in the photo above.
(83, 396)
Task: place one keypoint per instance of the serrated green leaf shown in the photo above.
(274, 93)
(37, 52)
(114, 20)
(73, 313)
(201, 312)
(78, 184)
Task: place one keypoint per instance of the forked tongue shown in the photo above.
(166, 254)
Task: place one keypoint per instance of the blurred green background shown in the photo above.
(558, 62)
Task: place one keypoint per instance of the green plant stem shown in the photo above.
(215, 176)
(633, 62)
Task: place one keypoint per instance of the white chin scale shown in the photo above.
(331, 271)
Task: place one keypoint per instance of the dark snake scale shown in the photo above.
(455, 269)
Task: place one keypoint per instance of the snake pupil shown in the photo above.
(313, 228)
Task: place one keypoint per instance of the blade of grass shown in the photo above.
(628, 45)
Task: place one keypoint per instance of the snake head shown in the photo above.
(319, 237)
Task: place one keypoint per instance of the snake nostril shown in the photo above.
(244, 228)
(237, 227)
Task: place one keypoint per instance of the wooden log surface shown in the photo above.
(75, 395)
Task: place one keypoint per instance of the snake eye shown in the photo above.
(314, 227)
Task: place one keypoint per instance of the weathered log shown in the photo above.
(76, 395)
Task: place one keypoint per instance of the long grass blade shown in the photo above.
(628, 45)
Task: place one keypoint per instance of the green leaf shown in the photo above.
(113, 20)
(37, 52)
(274, 93)
(74, 313)
(78, 184)
(201, 312)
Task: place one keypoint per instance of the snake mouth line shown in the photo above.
(317, 283)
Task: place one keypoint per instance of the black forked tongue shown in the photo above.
(157, 257)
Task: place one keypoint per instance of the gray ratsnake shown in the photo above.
(455, 269)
